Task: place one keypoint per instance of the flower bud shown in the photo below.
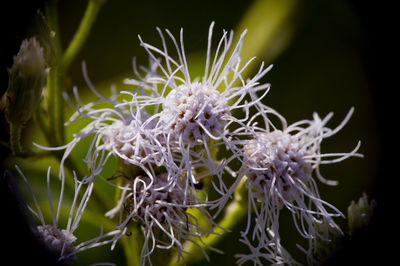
(26, 81)
(360, 213)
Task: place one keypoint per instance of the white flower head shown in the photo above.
(279, 165)
(282, 157)
(119, 128)
(160, 205)
(61, 242)
(135, 140)
(195, 114)
(196, 110)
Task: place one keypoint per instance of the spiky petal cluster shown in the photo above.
(278, 165)
(159, 200)
(135, 142)
(160, 205)
(194, 112)
(198, 113)
(282, 158)
(61, 242)
(123, 129)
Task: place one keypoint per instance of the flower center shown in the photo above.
(281, 158)
(190, 111)
(132, 143)
(161, 200)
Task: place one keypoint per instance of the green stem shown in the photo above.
(73, 49)
(52, 20)
(131, 245)
(54, 132)
(56, 76)
(136, 245)
(82, 33)
(129, 250)
(234, 213)
(100, 198)
(15, 139)
(54, 106)
(42, 123)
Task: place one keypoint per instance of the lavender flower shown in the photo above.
(278, 165)
(161, 207)
(168, 128)
(196, 114)
(61, 242)
(119, 127)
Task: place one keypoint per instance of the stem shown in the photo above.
(52, 20)
(42, 123)
(69, 164)
(56, 76)
(15, 139)
(131, 247)
(234, 213)
(54, 107)
(130, 259)
(136, 244)
(82, 33)
(73, 49)
(54, 134)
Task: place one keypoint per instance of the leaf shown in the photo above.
(270, 30)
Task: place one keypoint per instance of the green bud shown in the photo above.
(26, 81)
(360, 213)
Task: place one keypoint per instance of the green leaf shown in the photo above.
(270, 30)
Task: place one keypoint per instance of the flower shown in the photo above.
(161, 208)
(61, 242)
(196, 114)
(278, 166)
(119, 128)
(155, 196)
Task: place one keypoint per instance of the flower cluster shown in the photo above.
(181, 146)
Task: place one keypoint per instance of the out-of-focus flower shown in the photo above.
(26, 81)
(359, 214)
(61, 242)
